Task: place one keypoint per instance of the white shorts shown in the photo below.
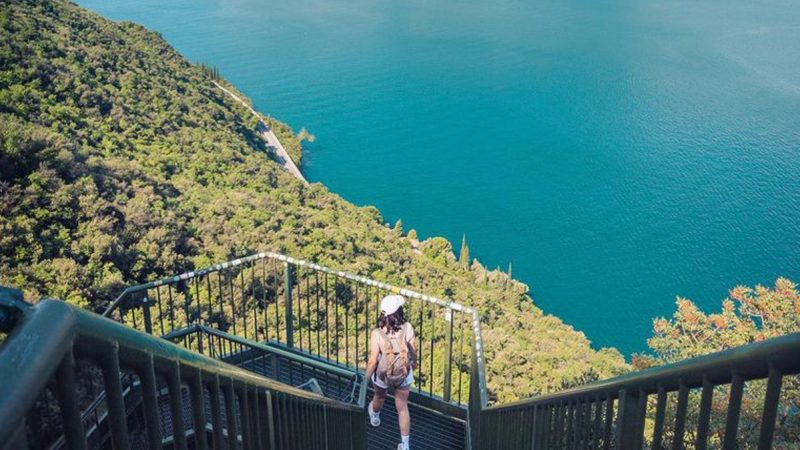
(406, 383)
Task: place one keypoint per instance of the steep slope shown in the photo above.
(121, 162)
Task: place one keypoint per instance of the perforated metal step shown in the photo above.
(430, 430)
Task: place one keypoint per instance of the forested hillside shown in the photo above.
(120, 162)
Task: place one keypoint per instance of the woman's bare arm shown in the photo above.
(412, 348)
(372, 362)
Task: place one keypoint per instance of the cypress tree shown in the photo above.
(463, 256)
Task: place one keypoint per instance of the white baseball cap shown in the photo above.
(391, 303)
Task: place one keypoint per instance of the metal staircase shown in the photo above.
(268, 352)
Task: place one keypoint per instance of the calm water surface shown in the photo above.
(618, 154)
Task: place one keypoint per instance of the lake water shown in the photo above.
(618, 153)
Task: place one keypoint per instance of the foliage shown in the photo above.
(748, 315)
(121, 162)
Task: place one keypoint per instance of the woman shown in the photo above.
(391, 362)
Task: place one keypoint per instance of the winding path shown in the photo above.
(272, 141)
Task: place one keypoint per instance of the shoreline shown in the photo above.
(272, 141)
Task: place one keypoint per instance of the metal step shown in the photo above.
(430, 430)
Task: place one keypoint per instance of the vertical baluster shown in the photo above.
(270, 418)
(199, 300)
(255, 419)
(208, 297)
(147, 375)
(346, 301)
(216, 413)
(243, 298)
(160, 310)
(287, 292)
(561, 425)
(319, 327)
(183, 286)
(198, 411)
(420, 338)
(549, 424)
(609, 422)
(308, 313)
(598, 422)
(148, 324)
(367, 326)
(432, 318)
(771, 398)
(680, 416)
(581, 427)
(171, 308)
(230, 413)
(114, 399)
(230, 277)
(277, 301)
(336, 315)
(661, 408)
(355, 314)
(265, 298)
(448, 361)
(641, 415)
(734, 408)
(327, 320)
(253, 303)
(74, 436)
(220, 297)
(627, 420)
(569, 433)
(460, 355)
(244, 418)
(705, 414)
(299, 301)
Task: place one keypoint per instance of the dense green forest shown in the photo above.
(120, 162)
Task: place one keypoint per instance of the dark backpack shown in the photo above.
(393, 365)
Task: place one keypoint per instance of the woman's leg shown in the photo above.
(401, 403)
(378, 398)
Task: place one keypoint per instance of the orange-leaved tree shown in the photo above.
(748, 315)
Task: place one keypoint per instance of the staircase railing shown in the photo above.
(269, 297)
(317, 310)
(337, 382)
(47, 342)
(665, 407)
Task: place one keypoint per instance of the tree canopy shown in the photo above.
(120, 162)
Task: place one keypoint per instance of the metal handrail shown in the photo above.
(59, 333)
(331, 370)
(614, 410)
(236, 290)
(114, 305)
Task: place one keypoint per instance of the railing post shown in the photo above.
(287, 292)
(448, 362)
(148, 324)
(477, 384)
(627, 420)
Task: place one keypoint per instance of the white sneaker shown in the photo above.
(374, 417)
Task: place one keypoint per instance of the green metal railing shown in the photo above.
(613, 413)
(336, 382)
(269, 297)
(41, 370)
(258, 311)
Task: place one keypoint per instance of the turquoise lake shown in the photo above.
(618, 153)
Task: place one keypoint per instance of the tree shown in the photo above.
(748, 315)
(398, 227)
(463, 255)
